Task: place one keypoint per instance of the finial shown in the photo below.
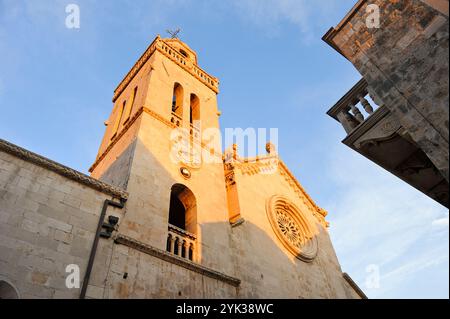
(174, 33)
(270, 148)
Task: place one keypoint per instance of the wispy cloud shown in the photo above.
(307, 16)
(378, 219)
(441, 222)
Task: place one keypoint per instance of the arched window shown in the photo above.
(7, 291)
(118, 119)
(183, 208)
(177, 100)
(181, 237)
(183, 53)
(194, 109)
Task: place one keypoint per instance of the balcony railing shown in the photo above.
(353, 108)
(181, 243)
(176, 119)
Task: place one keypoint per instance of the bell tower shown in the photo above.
(175, 203)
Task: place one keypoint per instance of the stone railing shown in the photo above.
(176, 119)
(181, 243)
(188, 65)
(353, 108)
(173, 53)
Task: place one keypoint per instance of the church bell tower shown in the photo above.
(176, 204)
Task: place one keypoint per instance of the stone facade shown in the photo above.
(47, 221)
(234, 239)
(405, 63)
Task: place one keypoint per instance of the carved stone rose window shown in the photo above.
(292, 228)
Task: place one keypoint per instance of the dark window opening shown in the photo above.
(177, 214)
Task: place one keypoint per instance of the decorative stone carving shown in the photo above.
(292, 228)
(382, 128)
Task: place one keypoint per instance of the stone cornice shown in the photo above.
(182, 262)
(355, 287)
(171, 53)
(135, 69)
(366, 125)
(331, 33)
(116, 139)
(130, 122)
(257, 164)
(320, 210)
(188, 66)
(62, 170)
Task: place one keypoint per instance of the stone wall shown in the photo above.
(47, 221)
(267, 269)
(405, 62)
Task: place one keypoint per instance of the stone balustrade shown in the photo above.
(176, 119)
(181, 243)
(188, 65)
(354, 107)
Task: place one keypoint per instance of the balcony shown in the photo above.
(181, 243)
(374, 132)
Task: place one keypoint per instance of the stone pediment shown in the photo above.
(271, 164)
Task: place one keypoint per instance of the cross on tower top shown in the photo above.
(173, 33)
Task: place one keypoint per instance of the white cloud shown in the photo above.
(441, 222)
(306, 15)
(378, 219)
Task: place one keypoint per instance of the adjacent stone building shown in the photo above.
(157, 219)
(401, 50)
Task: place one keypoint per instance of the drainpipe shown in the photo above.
(87, 275)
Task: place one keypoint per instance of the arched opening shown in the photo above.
(183, 208)
(184, 53)
(177, 100)
(7, 291)
(194, 109)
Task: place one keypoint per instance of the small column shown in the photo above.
(172, 244)
(180, 246)
(367, 107)
(186, 249)
(357, 113)
(192, 248)
(347, 121)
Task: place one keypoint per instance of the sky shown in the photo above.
(56, 86)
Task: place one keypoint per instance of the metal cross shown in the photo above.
(174, 34)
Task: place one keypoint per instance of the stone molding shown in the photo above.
(182, 262)
(62, 170)
(355, 287)
(241, 163)
(157, 45)
(130, 122)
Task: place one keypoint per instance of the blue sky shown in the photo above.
(56, 87)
